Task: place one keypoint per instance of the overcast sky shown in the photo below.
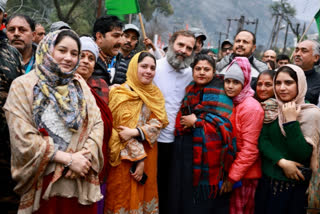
(306, 9)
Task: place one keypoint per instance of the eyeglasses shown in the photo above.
(225, 49)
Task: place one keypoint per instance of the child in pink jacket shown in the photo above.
(247, 121)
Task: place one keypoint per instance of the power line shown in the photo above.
(241, 22)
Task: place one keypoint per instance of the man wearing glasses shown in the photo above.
(226, 48)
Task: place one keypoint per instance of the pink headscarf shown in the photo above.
(246, 91)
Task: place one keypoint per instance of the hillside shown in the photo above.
(211, 16)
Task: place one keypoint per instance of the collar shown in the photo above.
(105, 58)
(130, 55)
(310, 72)
(34, 48)
(3, 36)
(250, 58)
(169, 67)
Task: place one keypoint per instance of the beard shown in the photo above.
(177, 63)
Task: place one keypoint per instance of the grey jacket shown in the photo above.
(256, 65)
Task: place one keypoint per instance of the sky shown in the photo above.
(306, 9)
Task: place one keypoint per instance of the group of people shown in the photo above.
(97, 128)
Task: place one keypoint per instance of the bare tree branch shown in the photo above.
(58, 8)
(75, 3)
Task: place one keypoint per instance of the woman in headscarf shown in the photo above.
(88, 58)
(264, 86)
(56, 132)
(138, 112)
(265, 94)
(248, 120)
(204, 146)
(290, 148)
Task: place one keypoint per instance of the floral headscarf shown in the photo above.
(56, 87)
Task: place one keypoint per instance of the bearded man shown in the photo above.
(173, 74)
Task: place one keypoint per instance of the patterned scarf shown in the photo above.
(270, 107)
(246, 91)
(105, 58)
(56, 87)
(213, 141)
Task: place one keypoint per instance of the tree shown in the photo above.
(38, 10)
(79, 14)
(148, 7)
(65, 17)
(286, 12)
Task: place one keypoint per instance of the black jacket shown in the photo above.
(101, 71)
(122, 65)
(313, 81)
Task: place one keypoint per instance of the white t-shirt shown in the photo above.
(172, 84)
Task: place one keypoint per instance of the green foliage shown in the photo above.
(81, 19)
(283, 7)
(287, 12)
(79, 14)
(148, 7)
(38, 10)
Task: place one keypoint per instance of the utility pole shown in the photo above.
(273, 32)
(228, 29)
(285, 40)
(240, 23)
(256, 29)
(277, 33)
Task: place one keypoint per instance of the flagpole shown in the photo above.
(130, 18)
(142, 27)
(306, 30)
(303, 35)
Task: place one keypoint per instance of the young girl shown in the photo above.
(288, 143)
(248, 119)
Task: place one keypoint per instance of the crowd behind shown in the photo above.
(91, 125)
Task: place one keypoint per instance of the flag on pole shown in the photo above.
(317, 18)
(122, 7)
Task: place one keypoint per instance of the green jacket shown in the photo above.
(273, 146)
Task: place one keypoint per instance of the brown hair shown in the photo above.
(185, 33)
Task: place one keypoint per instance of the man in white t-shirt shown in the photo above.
(172, 76)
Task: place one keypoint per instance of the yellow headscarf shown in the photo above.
(126, 106)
